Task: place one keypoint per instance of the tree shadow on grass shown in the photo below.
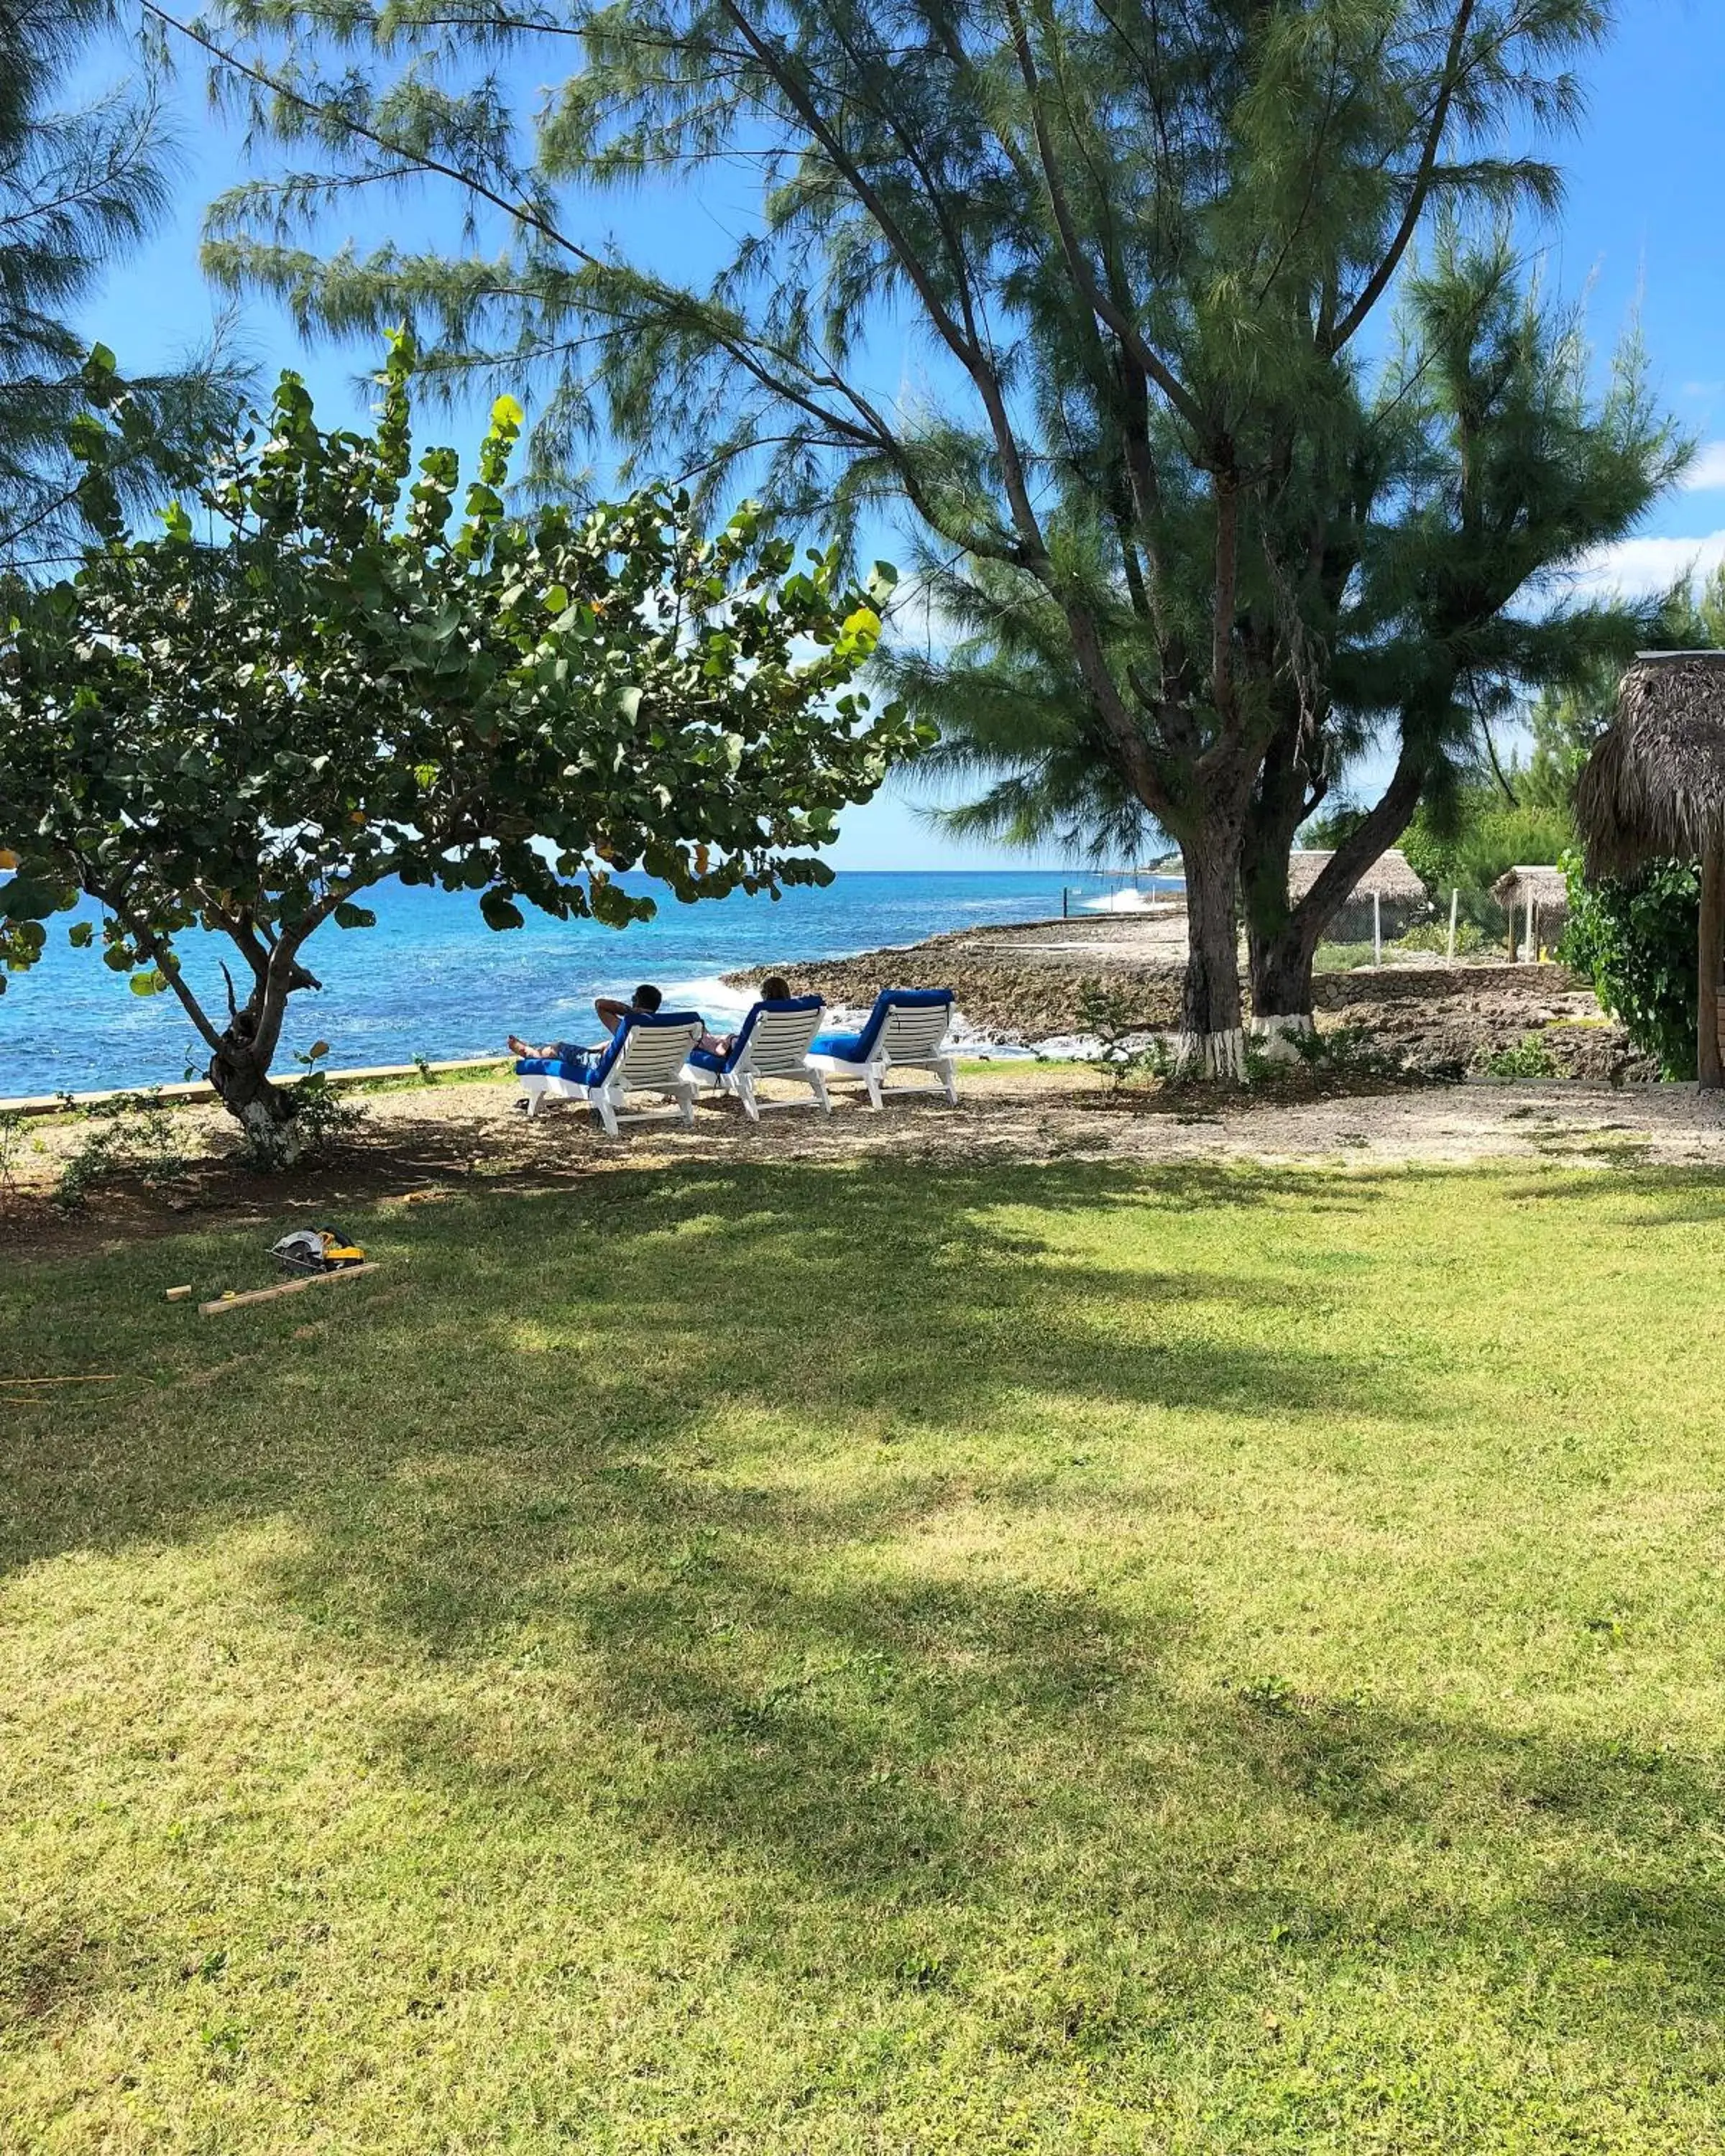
(826, 1688)
(1687, 1197)
(908, 1765)
(627, 1319)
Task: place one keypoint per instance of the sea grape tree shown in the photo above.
(347, 667)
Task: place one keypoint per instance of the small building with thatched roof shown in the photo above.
(1537, 901)
(1401, 898)
(1653, 787)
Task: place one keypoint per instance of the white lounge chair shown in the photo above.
(771, 1042)
(906, 1031)
(646, 1055)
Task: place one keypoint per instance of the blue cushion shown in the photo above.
(710, 1060)
(571, 1064)
(859, 1047)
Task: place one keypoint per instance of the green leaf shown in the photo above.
(501, 913)
(349, 915)
(80, 935)
(148, 984)
(24, 899)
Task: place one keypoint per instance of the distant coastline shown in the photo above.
(430, 980)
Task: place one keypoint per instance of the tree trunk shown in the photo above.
(1280, 971)
(1710, 1067)
(1281, 938)
(264, 1112)
(1282, 941)
(1211, 1043)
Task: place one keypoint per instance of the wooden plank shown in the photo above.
(285, 1288)
(104, 1377)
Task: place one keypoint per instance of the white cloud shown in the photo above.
(1707, 473)
(1641, 568)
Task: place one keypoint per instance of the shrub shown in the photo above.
(1434, 936)
(1530, 1058)
(1128, 1047)
(132, 1134)
(11, 1148)
(1636, 942)
(320, 1112)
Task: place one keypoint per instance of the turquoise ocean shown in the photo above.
(430, 979)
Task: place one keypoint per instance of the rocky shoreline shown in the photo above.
(1023, 987)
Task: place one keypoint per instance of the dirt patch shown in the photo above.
(1458, 1031)
(416, 1148)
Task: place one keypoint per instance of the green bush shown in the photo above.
(1128, 1049)
(1530, 1058)
(1434, 936)
(131, 1135)
(1636, 943)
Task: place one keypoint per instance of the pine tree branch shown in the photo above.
(521, 211)
(1420, 187)
(1076, 260)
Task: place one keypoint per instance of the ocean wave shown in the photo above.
(709, 994)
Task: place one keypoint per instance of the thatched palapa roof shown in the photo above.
(1547, 888)
(1389, 876)
(1656, 783)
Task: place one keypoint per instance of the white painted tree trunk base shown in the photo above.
(1211, 1054)
(1273, 1036)
(271, 1144)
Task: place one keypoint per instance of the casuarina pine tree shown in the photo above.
(1072, 292)
(347, 666)
(81, 184)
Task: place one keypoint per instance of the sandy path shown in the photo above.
(1037, 1110)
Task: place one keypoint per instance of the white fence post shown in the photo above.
(1377, 930)
(1455, 900)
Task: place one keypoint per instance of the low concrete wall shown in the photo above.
(1380, 984)
(54, 1104)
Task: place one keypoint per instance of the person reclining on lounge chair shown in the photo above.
(774, 989)
(611, 1014)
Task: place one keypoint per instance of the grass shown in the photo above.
(830, 1658)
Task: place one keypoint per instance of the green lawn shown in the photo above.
(879, 1658)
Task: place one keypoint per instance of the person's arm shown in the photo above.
(612, 1014)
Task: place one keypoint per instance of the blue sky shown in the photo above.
(1640, 229)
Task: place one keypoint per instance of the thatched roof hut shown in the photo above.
(1655, 786)
(1537, 899)
(1388, 878)
(1547, 890)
